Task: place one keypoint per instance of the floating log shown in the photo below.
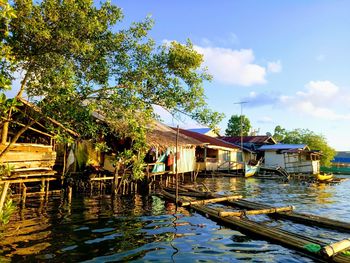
(256, 212)
(212, 200)
(334, 248)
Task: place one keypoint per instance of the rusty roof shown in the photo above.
(161, 135)
(207, 139)
(260, 139)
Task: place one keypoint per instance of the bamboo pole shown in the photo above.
(334, 248)
(212, 200)
(256, 212)
(307, 219)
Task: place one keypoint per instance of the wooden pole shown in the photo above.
(256, 212)
(212, 200)
(3, 195)
(24, 195)
(176, 170)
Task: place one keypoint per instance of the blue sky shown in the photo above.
(289, 59)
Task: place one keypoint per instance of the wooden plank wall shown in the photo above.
(29, 156)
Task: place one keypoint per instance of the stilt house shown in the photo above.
(215, 154)
(294, 158)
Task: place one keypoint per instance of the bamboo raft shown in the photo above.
(307, 219)
(313, 248)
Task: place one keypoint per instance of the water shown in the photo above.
(147, 229)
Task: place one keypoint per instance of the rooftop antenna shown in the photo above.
(241, 103)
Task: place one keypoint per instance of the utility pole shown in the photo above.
(241, 131)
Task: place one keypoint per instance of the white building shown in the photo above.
(294, 158)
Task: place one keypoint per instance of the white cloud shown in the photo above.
(274, 66)
(319, 99)
(233, 67)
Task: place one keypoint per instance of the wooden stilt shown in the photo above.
(42, 189)
(70, 192)
(3, 195)
(24, 194)
(47, 189)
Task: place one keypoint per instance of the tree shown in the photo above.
(304, 136)
(234, 126)
(76, 61)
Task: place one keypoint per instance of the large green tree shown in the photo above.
(236, 124)
(76, 58)
(305, 136)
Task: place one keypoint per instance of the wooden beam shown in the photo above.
(29, 180)
(103, 178)
(256, 212)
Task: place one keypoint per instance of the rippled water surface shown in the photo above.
(147, 229)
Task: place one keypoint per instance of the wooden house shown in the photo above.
(294, 158)
(162, 141)
(34, 152)
(250, 144)
(161, 157)
(215, 154)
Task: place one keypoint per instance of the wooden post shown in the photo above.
(115, 179)
(42, 189)
(47, 189)
(70, 191)
(3, 195)
(24, 194)
(176, 168)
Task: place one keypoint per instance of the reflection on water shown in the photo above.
(146, 228)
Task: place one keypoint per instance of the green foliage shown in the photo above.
(8, 209)
(304, 136)
(5, 170)
(76, 61)
(236, 123)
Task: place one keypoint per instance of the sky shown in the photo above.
(289, 60)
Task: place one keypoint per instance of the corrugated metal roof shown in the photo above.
(341, 160)
(200, 130)
(281, 146)
(207, 139)
(260, 139)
